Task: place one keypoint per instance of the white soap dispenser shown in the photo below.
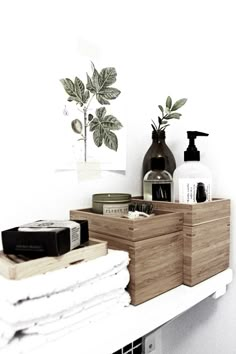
(192, 180)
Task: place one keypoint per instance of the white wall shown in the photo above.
(159, 48)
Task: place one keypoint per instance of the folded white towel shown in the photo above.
(81, 316)
(55, 302)
(24, 312)
(13, 291)
(25, 342)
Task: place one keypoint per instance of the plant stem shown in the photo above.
(90, 101)
(85, 110)
(85, 133)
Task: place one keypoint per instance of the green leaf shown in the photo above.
(179, 104)
(168, 102)
(110, 140)
(77, 126)
(159, 120)
(154, 126)
(107, 77)
(101, 112)
(85, 96)
(94, 124)
(109, 93)
(111, 122)
(99, 84)
(173, 115)
(96, 79)
(90, 85)
(164, 126)
(76, 99)
(68, 87)
(101, 100)
(161, 108)
(167, 110)
(79, 87)
(98, 136)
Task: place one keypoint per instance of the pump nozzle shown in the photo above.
(192, 154)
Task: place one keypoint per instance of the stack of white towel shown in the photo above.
(44, 307)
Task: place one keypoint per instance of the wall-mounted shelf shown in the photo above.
(116, 331)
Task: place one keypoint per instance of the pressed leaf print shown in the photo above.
(101, 124)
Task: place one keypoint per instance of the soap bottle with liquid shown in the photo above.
(192, 180)
(158, 183)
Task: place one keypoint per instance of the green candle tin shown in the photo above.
(111, 204)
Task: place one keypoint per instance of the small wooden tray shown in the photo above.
(16, 267)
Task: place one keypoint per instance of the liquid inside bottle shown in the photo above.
(157, 183)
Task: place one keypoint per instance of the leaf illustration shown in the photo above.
(85, 96)
(109, 93)
(179, 104)
(77, 126)
(111, 122)
(101, 100)
(94, 124)
(79, 89)
(70, 99)
(102, 127)
(68, 86)
(101, 112)
(96, 79)
(168, 102)
(110, 140)
(98, 136)
(89, 85)
(107, 76)
(79, 86)
(73, 90)
(100, 85)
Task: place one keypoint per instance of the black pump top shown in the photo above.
(192, 153)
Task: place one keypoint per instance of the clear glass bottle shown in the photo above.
(157, 183)
(159, 148)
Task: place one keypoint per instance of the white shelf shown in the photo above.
(116, 331)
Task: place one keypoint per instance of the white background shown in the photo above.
(159, 48)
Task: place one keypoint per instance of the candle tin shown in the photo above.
(111, 204)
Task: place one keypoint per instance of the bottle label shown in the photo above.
(162, 192)
(51, 225)
(115, 209)
(194, 190)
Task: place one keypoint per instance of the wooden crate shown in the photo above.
(19, 267)
(206, 237)
(155, 247)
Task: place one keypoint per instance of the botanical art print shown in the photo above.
(97, 121)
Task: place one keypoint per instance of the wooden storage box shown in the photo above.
(155, 247)
(206, 237)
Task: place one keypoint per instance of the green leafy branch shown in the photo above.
(167, 113)
(98, 86)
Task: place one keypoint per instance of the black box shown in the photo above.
(35, 244)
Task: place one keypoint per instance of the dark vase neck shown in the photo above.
(159, 135)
